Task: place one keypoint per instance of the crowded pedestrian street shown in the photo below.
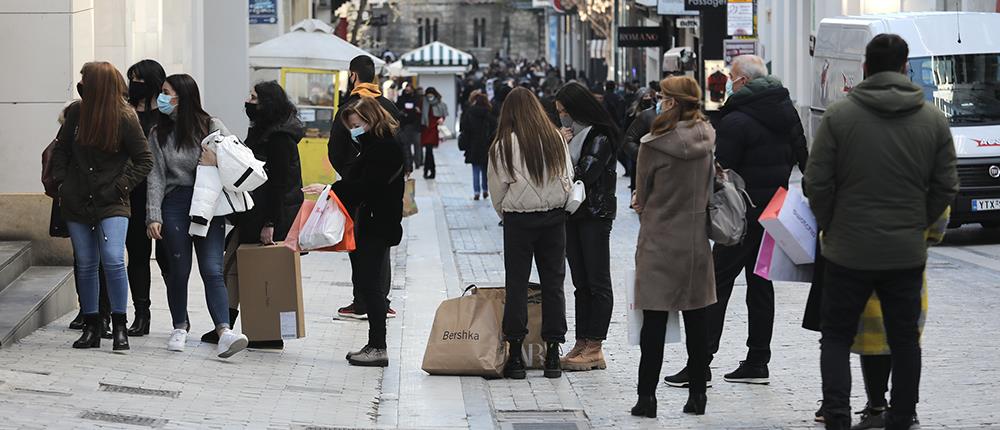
(451, 243)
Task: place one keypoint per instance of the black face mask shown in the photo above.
(138, 92)
(251, 109)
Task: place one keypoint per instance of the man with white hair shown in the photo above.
(760, 137)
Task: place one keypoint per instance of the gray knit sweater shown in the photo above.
(172, 167)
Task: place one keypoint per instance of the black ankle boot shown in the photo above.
(140, 325)
(119, 333)
(91, 337)
(514, 369)
(106, 327)
(77, 323)
(645, 407)
(213, 336)
(696, 403)
(553, 366)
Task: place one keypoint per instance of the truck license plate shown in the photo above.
(986, 205)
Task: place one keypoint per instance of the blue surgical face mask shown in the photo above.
(659, 107)
(356, 132)
(163, 103)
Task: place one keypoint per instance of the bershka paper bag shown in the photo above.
(466, 338)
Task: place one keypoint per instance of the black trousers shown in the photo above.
(369, 263)
(430, 168)
(588, 249)
(844, 298)
(359, 277)
(540, 236)
(876, 370)
(729, 262)
(651, 342)
(140, 247)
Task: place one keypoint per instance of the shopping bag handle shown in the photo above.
(470, 287)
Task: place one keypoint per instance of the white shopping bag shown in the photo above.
(774, 265)
(325, 225)
(635, 318)
(791, 223)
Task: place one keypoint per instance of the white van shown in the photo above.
(955, 57)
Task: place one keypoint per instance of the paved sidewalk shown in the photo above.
(452, 242)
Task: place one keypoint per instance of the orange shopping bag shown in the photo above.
(347, 244)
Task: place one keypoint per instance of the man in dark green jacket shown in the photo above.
(882, 170)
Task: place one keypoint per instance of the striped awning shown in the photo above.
(436, 54)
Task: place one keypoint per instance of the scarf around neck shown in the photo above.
(438, 108)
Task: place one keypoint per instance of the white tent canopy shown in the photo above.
(436, 55)
(396, 70)
(310, 44)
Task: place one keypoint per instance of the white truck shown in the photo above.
(955, 57)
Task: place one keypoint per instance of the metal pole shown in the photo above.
(614, 43)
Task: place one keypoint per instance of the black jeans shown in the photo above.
(588, 249)
(430, 168)
(542, 236)
(359, 278)
(140, 248)
(654, 329)
(844, 298)
(876, 370)
(369, 263)
(729, 262)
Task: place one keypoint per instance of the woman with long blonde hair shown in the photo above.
(673, 258)
(529, 175)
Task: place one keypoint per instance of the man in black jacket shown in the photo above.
(408, 105)
(760, 137)
(343, 153)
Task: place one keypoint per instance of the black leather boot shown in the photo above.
(119, 333)
(213, 336)
(553, 366)
(91, 337)
(106, 327)
(696, 403)
(514, 369)
(140, 325)
(77, 323)
(645, 407)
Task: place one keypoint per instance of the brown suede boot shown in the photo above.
(581, 344)
(591, 358)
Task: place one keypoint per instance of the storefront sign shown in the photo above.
(735, 47)
(704, 4)
(690, 22)
(263, 11)
(739, 18)
(672, 7)
(634, 37)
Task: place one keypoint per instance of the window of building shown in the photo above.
(420, 31)
(435, 32)
(479, 32)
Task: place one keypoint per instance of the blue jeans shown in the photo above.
(479, 182)
(176, 222)
(94, 245)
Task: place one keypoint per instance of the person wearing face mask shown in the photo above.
(433, 111)
(760, 137)
(344, 151)
(593, 143)
(409, 127)
(177, 152)
(375, 196)
(145, 79)
(640, 118)
(274, 135)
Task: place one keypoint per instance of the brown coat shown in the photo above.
(673, 259)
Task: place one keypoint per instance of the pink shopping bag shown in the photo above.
(774, 265)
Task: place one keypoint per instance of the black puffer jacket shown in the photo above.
(760, 136)
(375, 192)
(596, 168)
(278, 200)
(343, 152)
(478, 127)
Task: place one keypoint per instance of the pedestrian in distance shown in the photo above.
(641, 114)
(375, 195)
(408, 105)
(673, 258)
(99, 158)
(529, 173)
(274, 135)
(433, 111)
(344, 151)
(882, 171)
(175, 142)
(145, 79)
(760, 137)
(478, 127)
(593, 144)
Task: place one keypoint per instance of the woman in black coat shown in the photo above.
(375, 195)
(593, 140)
(478, 127)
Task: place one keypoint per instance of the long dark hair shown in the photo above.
(273, 106)
(432, 91)
(543, 152)
(192, 122)
(584, 108)
(102, 92)
(153, 75)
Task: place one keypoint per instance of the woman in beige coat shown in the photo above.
(673, 259)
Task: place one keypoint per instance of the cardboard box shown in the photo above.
(270, 292)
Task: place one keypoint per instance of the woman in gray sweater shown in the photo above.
(176, 146)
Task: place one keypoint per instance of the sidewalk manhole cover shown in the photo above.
(134, 420)
(139, 391)
(542, 420)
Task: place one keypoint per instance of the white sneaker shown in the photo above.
(230, 343)
(178, 338)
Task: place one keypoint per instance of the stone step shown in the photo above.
(15, 258)
(37, 297)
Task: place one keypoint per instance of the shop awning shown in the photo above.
(436, 54)
(310, 44)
